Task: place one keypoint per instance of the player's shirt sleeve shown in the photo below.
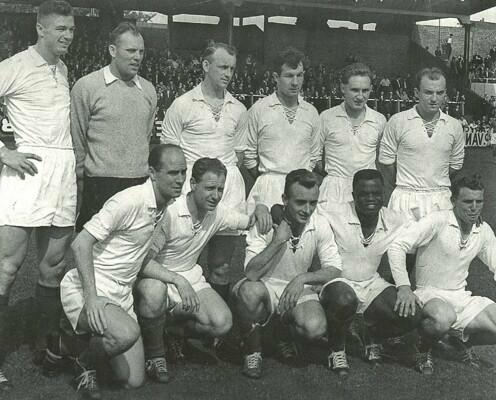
(487, 254)
(9, 71)
(251, 138)
(240, 131)
(389, 143)
(411, 237)
(327, 249)
(458, 150)
(381, 121)
(232, 219)
(322, 134)
(114, 216)
(153, 110)
(172, 125)
(315, 148)
(8, 81)
(80, 119)
(256, 243)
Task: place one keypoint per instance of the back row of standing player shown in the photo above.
(111, 114)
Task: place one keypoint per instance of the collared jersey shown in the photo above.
(124, 229)
(442, 260)
(316, 239)
(422, 162)
(189, 123)
(109, 77)
(275, 144)
(179, 242)
(347, 152)
(37, 100)
(360, 263)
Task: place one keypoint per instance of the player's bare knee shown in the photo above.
(340, 300)
(251, 294)
(123, 337)
(222, 322)
(219, 273)
(314, 327)
(438, 318)
(134, 383)
(8, 272)
(51, 274)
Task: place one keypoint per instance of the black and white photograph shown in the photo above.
(247, 199)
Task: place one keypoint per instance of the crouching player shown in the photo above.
(176, 280)
(447, 242)
(109, 252)
(364, 229)
(277, 273)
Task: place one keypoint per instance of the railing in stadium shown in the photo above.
(483, 80)
(387, 106)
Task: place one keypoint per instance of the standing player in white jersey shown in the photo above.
(282, 132)
(447, 242)
(422, 148)
(176, 281)
(206, 122)
(350, 135)
(38, 182)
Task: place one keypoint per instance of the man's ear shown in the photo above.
(205, 65)
(112, 50)
(152, 173)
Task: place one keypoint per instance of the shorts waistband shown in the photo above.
(423, 190)
(43, 146)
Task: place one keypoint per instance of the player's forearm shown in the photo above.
(154, 270)
(259, 265)
(320, 277)
(83, 256)
(397, 263)
(389, 172)
(3, 151)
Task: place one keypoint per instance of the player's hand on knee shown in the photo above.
(95, 313)
(20, 162)
(406, 302)
(189, 298)
(291, 295)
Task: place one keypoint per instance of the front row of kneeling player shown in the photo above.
(113, 259)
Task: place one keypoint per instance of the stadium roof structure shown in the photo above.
(360, 11)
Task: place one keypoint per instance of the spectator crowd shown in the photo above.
(174, 73)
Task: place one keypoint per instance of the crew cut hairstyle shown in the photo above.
(290, 56)
(53, 7)
(123, 27)
(433, 73)
(473, 182)
(155, 156)
(303, 177)
(355, 69)
(212, 47)
(366, 175)
(204, 165)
